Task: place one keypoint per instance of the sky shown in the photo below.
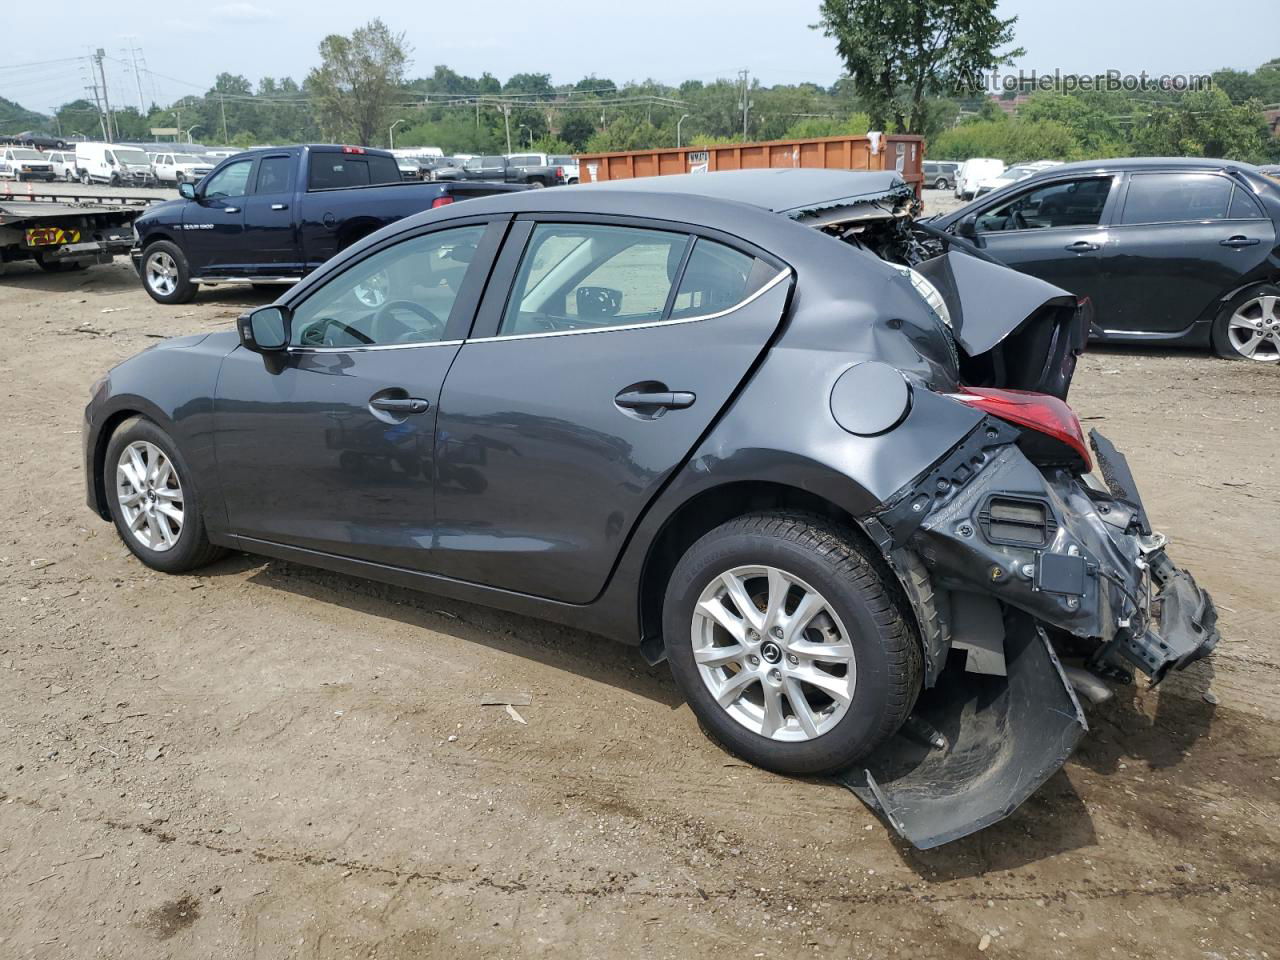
(185, 46)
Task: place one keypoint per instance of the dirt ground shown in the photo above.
(269, 761)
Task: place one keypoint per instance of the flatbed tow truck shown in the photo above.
(66, 232)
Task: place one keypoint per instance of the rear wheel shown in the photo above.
(165, 275)
(153, 499)
(791, 646)
(1248, 326)
(940, 183)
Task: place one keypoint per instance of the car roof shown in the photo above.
(1116, 164)
(784, 190)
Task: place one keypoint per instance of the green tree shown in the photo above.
(1205, 124)
(901, 52)
(358, 79)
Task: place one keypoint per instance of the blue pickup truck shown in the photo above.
(271, 216)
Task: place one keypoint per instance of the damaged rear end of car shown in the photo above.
(1029, 558)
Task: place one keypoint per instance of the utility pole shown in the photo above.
(134, 53)
(97, 103)
(745, 76)
(106, 101)
(506, 118)
(222, 103)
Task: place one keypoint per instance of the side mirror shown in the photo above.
(598, 302)
(968, 227)
(265, 330)
(187, 190)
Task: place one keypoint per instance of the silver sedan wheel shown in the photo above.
(150, 495)
(162, 273)
(1254, 329)
(773, 653)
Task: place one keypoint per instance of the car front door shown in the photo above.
(1181, 240)
(583, 390)
(213, 224)
(271, 243)
(330, 447)
(1055, 231)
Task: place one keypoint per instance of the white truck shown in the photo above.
(178, 167)
(113, 164)
(23, 163)
(568, 165)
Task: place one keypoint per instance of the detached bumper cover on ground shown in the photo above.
(1021, 549)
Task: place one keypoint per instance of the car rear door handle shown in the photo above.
(1239, 241)
(279, 206)
(1082, 246)
(643, 399)
(400, 405)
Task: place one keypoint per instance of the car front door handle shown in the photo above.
(279, 206)
(230, 209)
(1239, 241)
(1082, 246)
(401, 405)
(644, 399)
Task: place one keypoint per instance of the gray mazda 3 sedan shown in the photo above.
(757, 424)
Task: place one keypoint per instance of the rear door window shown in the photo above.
(1176, 198)
(275, 175)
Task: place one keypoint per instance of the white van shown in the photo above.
(113, 164)
(972, 172)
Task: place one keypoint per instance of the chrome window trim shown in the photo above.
(781, 275)
(373, 346)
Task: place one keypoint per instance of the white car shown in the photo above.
(1015, 173)
(23, 163)
(972, 172)
(64, 164)
(179, 167)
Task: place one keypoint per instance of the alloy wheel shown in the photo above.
(150, 495)
(773, 653)
(162, 273)
(1254, 329)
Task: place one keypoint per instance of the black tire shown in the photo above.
(537, 184)
(52, 266)
(115, 180)
(86, 179)
(184, 290)
(940, 184)
(887, 654)
(192, 548)
(1220, 336)
(179, 178)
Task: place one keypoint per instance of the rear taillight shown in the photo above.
(1040, 412)
(441, 201)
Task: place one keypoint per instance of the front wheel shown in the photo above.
(86, 179)
(153, 499)
(165, 274)
(790, 645)
(1248, 325)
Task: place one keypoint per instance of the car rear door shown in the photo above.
(213, 223)
(1054, 230)
(581, 392)
(1181, 240)
(330, 447)
(271, 243)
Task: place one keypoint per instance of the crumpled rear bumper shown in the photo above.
(1022, 551)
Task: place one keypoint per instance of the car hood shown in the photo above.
(987, 301)
(162, 210)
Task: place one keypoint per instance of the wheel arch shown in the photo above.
(711, 507)
(110, 424)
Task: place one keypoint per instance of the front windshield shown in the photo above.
(132, 157)
(27, 155)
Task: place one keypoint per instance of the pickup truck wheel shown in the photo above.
(790, 645)
(165, 275)
(537, 184)
(1248, 325)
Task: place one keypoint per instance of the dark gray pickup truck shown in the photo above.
(271, 216)
(503, 170)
